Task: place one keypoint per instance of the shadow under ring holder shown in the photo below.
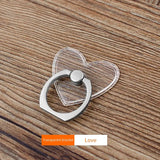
(77, 77)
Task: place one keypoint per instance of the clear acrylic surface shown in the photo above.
(103, 76)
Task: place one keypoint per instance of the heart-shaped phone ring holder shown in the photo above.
(69, 62)
(77, 77)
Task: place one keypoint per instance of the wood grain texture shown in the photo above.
(152, 2)
(126, 33)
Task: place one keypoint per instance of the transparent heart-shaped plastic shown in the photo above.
(103, 76)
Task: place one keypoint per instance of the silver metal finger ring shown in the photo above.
(77, 77)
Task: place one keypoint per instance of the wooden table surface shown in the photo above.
(126, 33)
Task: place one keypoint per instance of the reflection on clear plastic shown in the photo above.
(103, 76)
